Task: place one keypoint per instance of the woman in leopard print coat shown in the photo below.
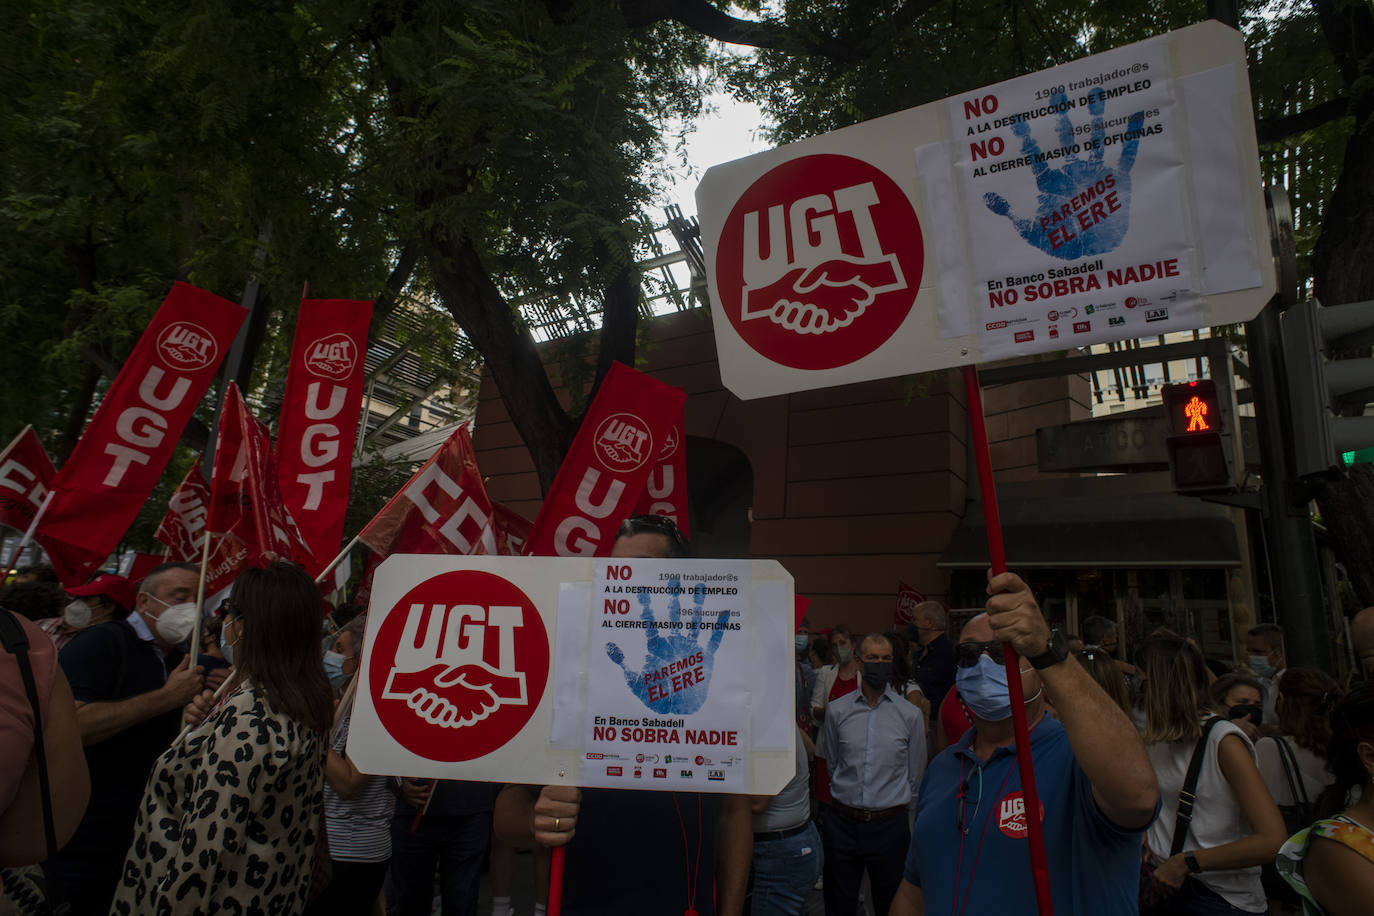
(232, 814)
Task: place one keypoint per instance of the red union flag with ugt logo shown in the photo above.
(319, 418)
(124, 450)
(443, 508)
(600, 480)
(26, 475)
(665, 492)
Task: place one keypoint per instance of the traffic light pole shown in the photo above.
(1295, 576)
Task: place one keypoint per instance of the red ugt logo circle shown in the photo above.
(819, 261)
(459, 666)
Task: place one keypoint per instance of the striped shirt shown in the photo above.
(359, 828)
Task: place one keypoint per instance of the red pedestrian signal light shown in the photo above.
(1199, 459)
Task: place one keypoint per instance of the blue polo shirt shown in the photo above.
(1094, 864)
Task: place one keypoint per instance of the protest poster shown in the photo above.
(1101, 200)
(665, 492)
(496, 668)
(604, 472)
(127, 444)
(319, 419)
(26, 475)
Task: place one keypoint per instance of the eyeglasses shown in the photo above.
(228, 609)
(966, 654)
(959, 820)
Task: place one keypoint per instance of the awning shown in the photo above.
(1123, 521)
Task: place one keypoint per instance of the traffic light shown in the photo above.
(1197, 443)
(1319, 387)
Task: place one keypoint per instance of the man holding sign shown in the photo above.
(1098, 792)
(639, 832)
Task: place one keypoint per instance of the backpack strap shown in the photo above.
(1296, 788)
(1187, 796)
(16, 642)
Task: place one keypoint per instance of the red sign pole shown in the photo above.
(555, 907)
(992, 520)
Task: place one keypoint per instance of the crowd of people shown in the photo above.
(1165, 784)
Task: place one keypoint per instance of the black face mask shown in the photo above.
(1245, 711)
(877, 674)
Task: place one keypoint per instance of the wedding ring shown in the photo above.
(556, 822)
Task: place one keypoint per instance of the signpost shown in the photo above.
(1105, 199)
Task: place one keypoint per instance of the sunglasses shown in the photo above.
(657, 524)
(966, 654)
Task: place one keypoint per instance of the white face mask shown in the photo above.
(77, 615)
(176, 622)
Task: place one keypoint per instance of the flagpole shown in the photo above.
(555, 905)
(337, 560)
(28, 535)
(992, 522)
(200, 599)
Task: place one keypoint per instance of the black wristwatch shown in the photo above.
(1192, 863)
(1053, 655)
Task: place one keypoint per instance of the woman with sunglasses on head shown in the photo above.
(1208, 862)
(1331, 864)
(232, 812)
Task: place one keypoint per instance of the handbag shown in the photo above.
(1151, 901)
(16, 642)
(1296, 817)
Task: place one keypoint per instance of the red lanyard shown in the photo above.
(955, 909)
(693, 870)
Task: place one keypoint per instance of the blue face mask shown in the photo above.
(801, 641)
(1260, 665)
(226, 647)
(333, 668)
(984, 688)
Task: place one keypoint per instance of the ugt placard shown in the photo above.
(578, 671)
(1108, 198)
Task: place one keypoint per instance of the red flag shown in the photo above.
(907, 599)
(26, 476)
(665, 492)
(124, 450)
(248, 522)
(319, 419)
(607, 466)
(512, 530)
(443, 508)
(182, 529)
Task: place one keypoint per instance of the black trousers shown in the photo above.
(352, 889)
(851, 847)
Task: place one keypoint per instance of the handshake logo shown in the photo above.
(440, 671)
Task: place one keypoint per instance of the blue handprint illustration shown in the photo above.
(1084, 206)
(676, 675)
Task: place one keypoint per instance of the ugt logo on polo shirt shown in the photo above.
(459, 665)
(185, 347)
(1011, 816)
(819, 262)
(331, 357)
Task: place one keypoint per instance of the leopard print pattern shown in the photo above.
(229, 818)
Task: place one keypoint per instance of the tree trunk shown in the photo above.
(619, 322)
(467, 291)
(1343, 270)
(252, 341)
(76, 417)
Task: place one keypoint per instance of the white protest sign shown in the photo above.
(578, 671)
(1105, 199)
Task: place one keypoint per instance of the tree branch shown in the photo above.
(390, 296)
(1274, 130)
(771, 36)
